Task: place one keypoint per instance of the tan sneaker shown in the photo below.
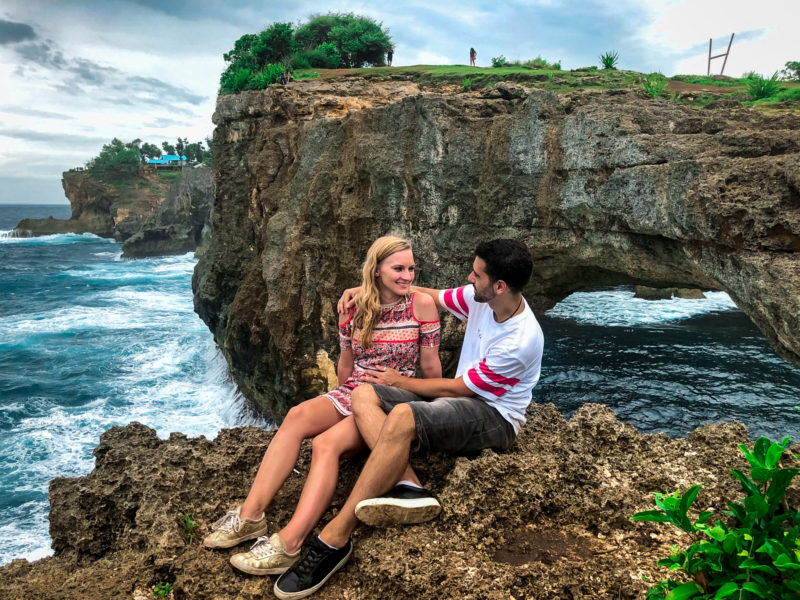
(266, 557)
(231, 530)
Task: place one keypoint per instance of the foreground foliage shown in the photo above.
(757, 555)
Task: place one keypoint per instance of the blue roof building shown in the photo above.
(166, 159)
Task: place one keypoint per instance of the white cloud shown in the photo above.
(767, 34)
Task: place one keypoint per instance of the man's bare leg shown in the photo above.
(386, 464)
(370, 418)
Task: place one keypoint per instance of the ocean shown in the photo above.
(88, 340)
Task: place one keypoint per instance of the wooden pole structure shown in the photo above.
(728, 51)
(725, 54)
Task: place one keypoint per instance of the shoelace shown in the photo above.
(309, 560)
(229, 522)
(263, 548)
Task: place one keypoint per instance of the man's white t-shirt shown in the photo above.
(500, 362)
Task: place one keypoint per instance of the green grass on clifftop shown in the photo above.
(697, 90)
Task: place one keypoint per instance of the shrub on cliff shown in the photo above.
(358, 40)
(327, 41)
(117, 160)
(120, 160)
(753, 554)
(792, 71)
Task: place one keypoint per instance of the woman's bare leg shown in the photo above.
(340, 441)
(305, 420)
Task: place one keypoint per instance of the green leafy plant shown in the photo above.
(327, 41)
(465, 84)
(654, 84)
(609, 59)
(189, 526)
(756, 556)
(499, 61)
(759, 87)
(541, 63)
(161, 590)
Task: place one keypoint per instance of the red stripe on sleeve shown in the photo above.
(450, 303)
(486, 387)
(463, 303)
(512, 381)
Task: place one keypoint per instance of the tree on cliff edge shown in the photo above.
(328, 41)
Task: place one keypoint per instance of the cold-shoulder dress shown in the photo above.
(396, 341)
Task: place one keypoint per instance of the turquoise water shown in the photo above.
(88, 341)
(667, 365)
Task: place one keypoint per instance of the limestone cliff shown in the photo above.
(548, 520)
(167, 215)
(182, 223)
(606, 188)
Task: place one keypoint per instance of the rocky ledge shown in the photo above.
(607, 188)
(548, 520)
(153, 216)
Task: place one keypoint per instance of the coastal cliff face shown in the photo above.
(182, 223)
(549, 520)
(606, 188)
(155, 215)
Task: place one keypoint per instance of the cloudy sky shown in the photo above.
(74, 74)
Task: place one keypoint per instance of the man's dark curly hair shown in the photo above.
(506, 260)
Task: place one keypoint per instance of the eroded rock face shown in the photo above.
(606, 188)
(547, 520)
(152, 216)
(182, 223)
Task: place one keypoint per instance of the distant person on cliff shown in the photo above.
(483, 407)
(389, 56)
(390, 327)
(472, 56)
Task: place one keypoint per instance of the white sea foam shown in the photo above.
(618, 307)
(55, 239)
(134, 337)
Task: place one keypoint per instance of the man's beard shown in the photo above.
(480, 297)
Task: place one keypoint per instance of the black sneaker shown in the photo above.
(316, 565)
(402, 505)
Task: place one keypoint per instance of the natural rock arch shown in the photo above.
(606, 188)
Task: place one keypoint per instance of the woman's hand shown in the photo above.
(347, 300)
(383, 376)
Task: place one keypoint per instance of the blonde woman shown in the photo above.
(388, 327)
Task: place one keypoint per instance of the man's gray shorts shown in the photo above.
(463, 425)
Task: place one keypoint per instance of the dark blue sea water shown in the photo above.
(88, 340)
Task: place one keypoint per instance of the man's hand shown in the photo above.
(383, 376)
(347, 300)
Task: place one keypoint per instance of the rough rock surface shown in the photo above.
(547, 520)
(183, 221)
(163, 217)
(607, 188)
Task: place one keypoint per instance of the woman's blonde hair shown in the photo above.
(368, 305)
